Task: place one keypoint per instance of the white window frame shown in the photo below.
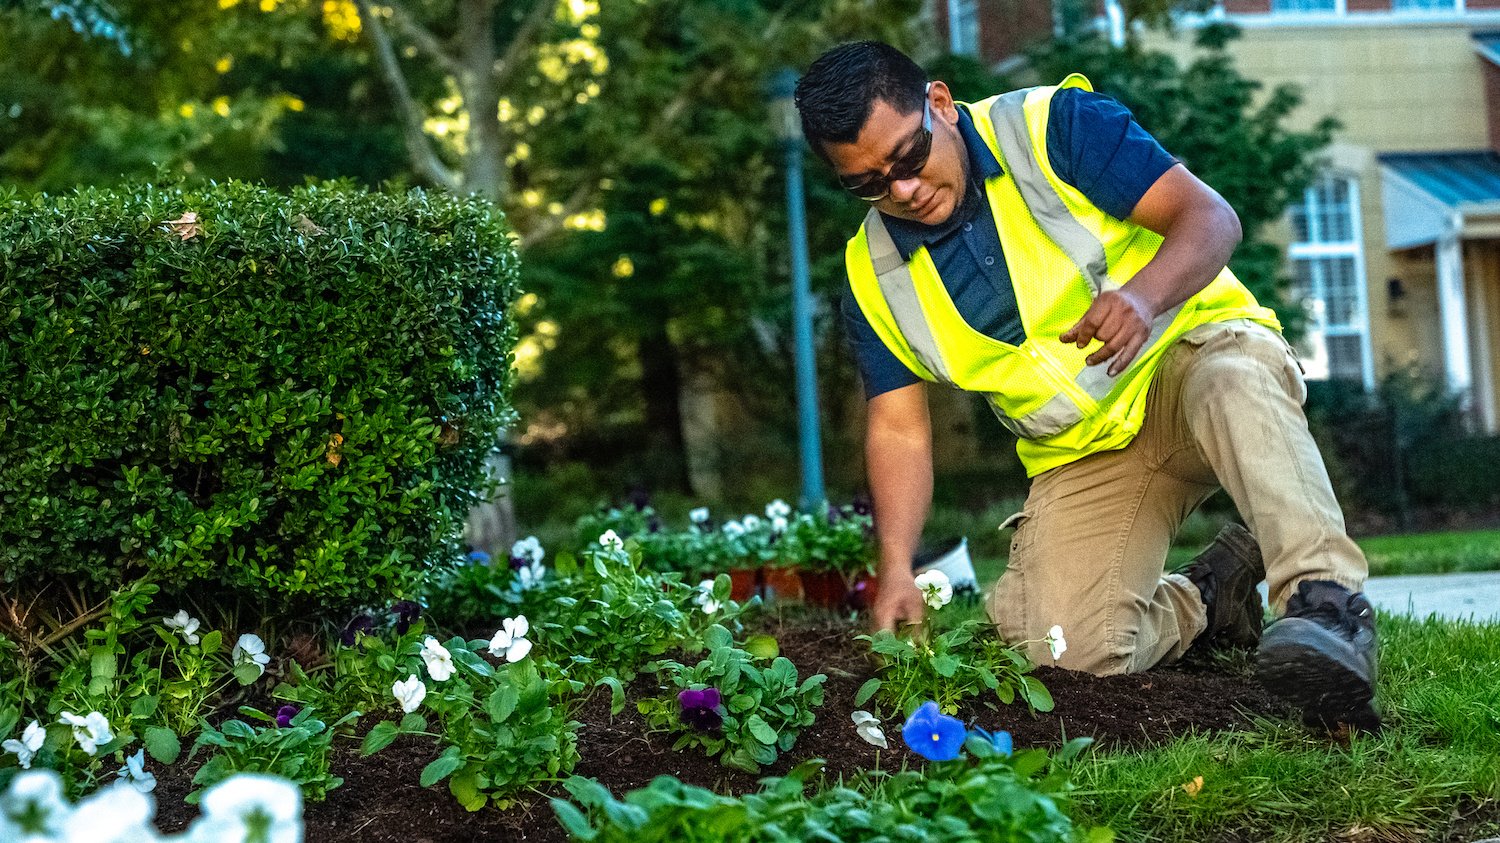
(1314, 303)
(963, 25)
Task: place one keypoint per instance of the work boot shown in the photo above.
(1320, 656)
(1226, 574)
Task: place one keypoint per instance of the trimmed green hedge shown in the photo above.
(291, 395)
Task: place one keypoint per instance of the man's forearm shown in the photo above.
(1192, 253)
(901, 483)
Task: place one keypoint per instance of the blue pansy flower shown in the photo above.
(999, 740)
(932, 734)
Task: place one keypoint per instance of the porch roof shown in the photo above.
(1432, 194)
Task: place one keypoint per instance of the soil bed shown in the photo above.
(380, 799)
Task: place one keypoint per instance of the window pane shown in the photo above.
(1424, 5)
(1301, 6)
(1340, 292)
(1346, 357)
(963, 27)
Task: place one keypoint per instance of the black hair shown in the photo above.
(840, 88)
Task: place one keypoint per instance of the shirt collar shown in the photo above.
(909, 234)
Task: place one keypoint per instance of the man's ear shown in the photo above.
(942, 101)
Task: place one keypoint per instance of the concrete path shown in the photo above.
(1457, 596)
(1454, 596)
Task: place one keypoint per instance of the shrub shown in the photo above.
(285, 393)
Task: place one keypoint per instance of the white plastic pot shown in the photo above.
(952, 558)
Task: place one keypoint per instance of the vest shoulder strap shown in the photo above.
(1008, 116)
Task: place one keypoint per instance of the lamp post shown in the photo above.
(789, 134)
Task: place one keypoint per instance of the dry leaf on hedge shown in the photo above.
(307, 226)
(186, 226)
(335, 445)
(1191, 788)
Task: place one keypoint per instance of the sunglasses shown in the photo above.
(907, 166)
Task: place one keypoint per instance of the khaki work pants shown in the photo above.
(1225, 409)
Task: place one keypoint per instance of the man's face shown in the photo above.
(887, 141)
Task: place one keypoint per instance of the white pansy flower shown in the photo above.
(250, 650)
(705, 598)
(32, 808)
(91, 732)
(734, 529)
(28, 746)
(510, 641)
(868, 728)
(528, 549)
(750, 523)
(778, 524)
(135, 772)
(528, 577)
(437, 658)
(409, 693)
(936, 589)
(184, 623)
(114, 814)
(611, 541)
(1056, 643)
(699, 515)
(250, 808)
(778, 509)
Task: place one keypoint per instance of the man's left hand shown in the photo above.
(1121, 320)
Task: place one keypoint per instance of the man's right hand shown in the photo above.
(899, 600)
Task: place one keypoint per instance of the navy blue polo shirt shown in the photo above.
(1093, 143)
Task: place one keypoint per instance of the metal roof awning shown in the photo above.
(1432, 195)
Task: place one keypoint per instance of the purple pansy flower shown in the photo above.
(932, 734)
(863, 505)
(285, 714)
(700, 709)
(406, 613)
(357, 624)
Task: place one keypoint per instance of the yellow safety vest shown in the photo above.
(1062, 252)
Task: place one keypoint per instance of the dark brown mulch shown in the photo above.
(381, 801)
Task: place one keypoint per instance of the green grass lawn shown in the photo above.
(1439, 754)
(1438, 758)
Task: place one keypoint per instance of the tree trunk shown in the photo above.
(484, 167)
(661, 389)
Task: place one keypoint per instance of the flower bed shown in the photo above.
(400, 726)
(382, 801)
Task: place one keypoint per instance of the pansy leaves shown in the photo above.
(442, 766)
(379, 738)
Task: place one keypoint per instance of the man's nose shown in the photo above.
(902, 190)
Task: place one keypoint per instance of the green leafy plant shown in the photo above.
(612, 617)
(744, 712)
(277, 394)
(962, 663)
(839, 539)
(502, 729)
(990, 796)
(297, 751)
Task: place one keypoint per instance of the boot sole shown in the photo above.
(1315, 670)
